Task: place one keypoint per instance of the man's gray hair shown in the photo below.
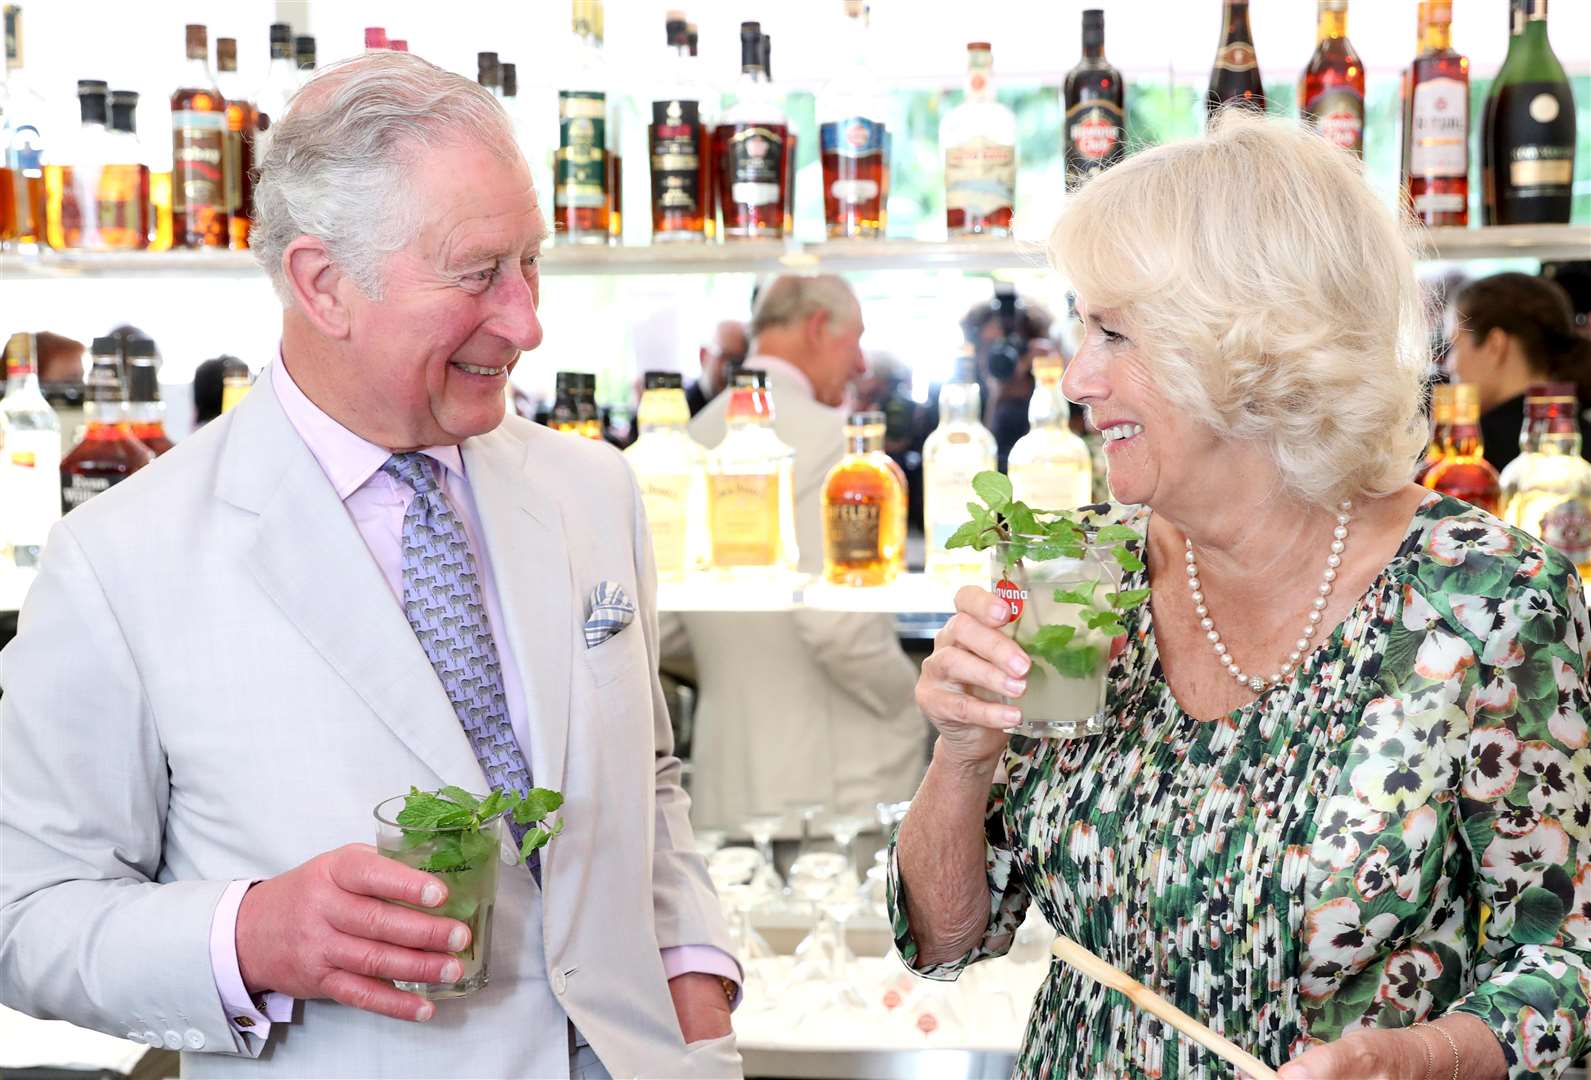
(791, 298)
(335, 166)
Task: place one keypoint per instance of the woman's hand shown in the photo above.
(970, 653)
(1371, 1055)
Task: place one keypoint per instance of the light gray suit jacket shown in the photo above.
(212, 681)
(804, 706)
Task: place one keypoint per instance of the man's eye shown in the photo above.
(482, 277)
(530, 262)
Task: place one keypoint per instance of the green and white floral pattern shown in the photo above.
(1402, 831)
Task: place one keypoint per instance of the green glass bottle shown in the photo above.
(1529, 132)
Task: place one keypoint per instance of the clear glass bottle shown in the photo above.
(1547, 488)
(751, 486)
(957, 450)
(979, 141)
(851, 112)
(864, 540)
(582, 197)
(108, 453)
(750, 147)
(1050, 467)
(71, 176)
(124, 197)
(671, 469)
(30, 470)
(24, 112)
(677, 145)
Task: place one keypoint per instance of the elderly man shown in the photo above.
(181, 820)
(807, 707)
(724, 354)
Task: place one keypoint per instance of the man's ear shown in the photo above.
(318, 286)
(815, 326)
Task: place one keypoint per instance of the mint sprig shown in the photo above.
(459, 817)
(1041, 535)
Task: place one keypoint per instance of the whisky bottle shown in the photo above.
(108, 453)
(709, 123)
(863, 542)
(236, 382)
(1441, 430)
(670, 469)
(1530, 131)
(1547, 488)
(765, 60)
(281, 79)
(563, 415)
(1235, 78)
(1516, 26)
(957, 450)
(851, 136)
(30, 462)
(241, 124)
(198, 153)
(588, 418)
(1332, 89)
(22, 189)
(750, 145)
(581, 176)
(146, 413)
(751, 486)
(124, 198)
(1464, 472)
(979, 140)
(1096, 120)
(304, 57)
(1050, 467)
(677, 147)
(1436, 176)
(72, 172)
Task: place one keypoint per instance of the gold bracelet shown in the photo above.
(1425, 1045)
(1451, 1045)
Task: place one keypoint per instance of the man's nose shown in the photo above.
(515, 319)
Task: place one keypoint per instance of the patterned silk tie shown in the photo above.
(443, 602)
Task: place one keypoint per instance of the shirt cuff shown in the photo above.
(247, 1015)
(705, 960)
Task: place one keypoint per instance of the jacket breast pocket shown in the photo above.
(622, 654)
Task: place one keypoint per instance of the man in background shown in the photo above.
(719, 357)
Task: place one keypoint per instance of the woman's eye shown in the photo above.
(1111, 337)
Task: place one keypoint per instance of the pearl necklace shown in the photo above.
(1339, 544)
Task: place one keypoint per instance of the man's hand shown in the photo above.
(325, 930)
(701, 1005)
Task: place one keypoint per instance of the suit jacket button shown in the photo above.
(152, 1038)
(194, 1038)
(173, 1041)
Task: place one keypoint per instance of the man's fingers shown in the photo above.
(966, 709)
(379, 960)
(378, 920)
(357, 868)
(373, 995)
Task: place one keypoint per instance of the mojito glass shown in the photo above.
(471, 886)
(1065, 697)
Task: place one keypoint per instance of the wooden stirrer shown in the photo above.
(1150, 1002)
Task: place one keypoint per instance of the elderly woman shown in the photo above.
(1342, 813)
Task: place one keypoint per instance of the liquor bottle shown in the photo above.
(749, 145)
(124, 204)
(1436, 176)
(677, 147)
(1235, 78)
(71, 174)
(1547, 488)
(145, 411)
(1050, 467)
(979, 139)
(588, 418)
(304, 57)
(863, 543)
(670, 468)
(581, 195)
(236, 382)
(1096, 119)
(30, 470)
(613, 157)
(489, 73)
(1530, 131)
(851, 132)
(563, 416)
(241, 125)
(1332, 89)
(957, 450)
(751, 485)
(765, 59)
(709, 121)
(24, 112)
(198, 152)
(1464, 472)
(108, 453)
(1441, 430)
(281, 79)
(508, 74)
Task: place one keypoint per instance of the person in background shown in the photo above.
(886, 388)
(1509, 331)
(804, 707)
(1574, 276)
(719, 357)
(1003, 331)
(207, 378)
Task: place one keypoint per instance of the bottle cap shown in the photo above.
(124, 99)
(510, 77)
(140, 348)
(304, 50)
(750, 380)
(398, 44)
(1093, 28)
(664, 380)
(91, 96)
(143, 382)
(870, 418)
(750, 52)
(109, 345)
(488, 71)
(198, 42)
(226, 54)
(691, 37)
(1442, 403)
(675, 27)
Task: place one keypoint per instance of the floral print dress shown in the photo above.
(1401, 831)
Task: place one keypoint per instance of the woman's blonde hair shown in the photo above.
(1271, 292)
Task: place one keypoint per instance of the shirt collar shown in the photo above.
(783, 370)
(348, 460)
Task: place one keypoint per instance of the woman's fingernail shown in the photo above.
(457, 938)
(1015, 687)
(1010, 717)
(425, 1012)
(452, 971)
(431, 895)
(1019, 664)
(999, 612)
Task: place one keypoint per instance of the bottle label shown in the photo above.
(745, 519)
(1236, 56)
(756, 158)
(198, 161)
(1439, 146)
(1339, 114)
(980, 177)
(664, 499)
(853, 533)
(580, 175)
(676, 139)
(77, 489)
(1534, 143)
(853, 137)
(1093, 133)
(1567, 527)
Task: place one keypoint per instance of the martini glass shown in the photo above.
(761, 828)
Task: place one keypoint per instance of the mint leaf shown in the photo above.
(994, 489)
(1021, 520)
(1118, 534)
(965, 536)
(423, 810)
(1128, 599)
(535, 840)
(537, 805)
(1054, 637)
(495, 803)
(1098, 620)
(1127, 560)
(447, 856)
(460, 796)
(1077, 661)
(1082, 594)
(478, 846)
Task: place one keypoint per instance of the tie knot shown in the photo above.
(416, 470)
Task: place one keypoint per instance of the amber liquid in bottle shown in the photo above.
(1436, 146)
(8, 205)
(241, 121)
(108, 454)
(751, 179)
(863, 540)
(854, 167)
(615, 195)
(1441, 430)
(124, 207)
(198, 153)
(677, 144)
(1332, 90)
(1465, 473)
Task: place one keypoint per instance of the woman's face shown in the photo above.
(1476, 360)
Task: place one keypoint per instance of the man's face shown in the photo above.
(458, 304)
(728, 351)
(837, 358)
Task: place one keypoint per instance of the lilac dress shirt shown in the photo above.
(376, 503)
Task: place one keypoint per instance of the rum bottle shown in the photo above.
(670, 468)
(281, 79)
(1441, 430)
(751, 486)
(1530, 131)
(30, 457)
(979, 138)
(22, 181)
(198, 153)
(108, 452)
(581, 176)
(1235, 78)
(750, 149)
(1096, 123)
(678, 149)
(1436, 177)
(863, 501)
(241, 124)
(1050, 467)
(1547, 488)
(1332, 88)
(71, 178)
(124, 196)
(1464, 472)
(851, 137)
(146, 413)
(563, 416)
(957, 450)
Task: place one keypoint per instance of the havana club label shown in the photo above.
(1093, 134)
(580, 174)
(1567, 527)
(1236, 56)
(198, 154)
(1439, 136)
(676, 144)
(1339, 114)
(1014, 595)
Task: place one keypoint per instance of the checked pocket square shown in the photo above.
(611, 611)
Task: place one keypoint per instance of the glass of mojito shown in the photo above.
(465, 857)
